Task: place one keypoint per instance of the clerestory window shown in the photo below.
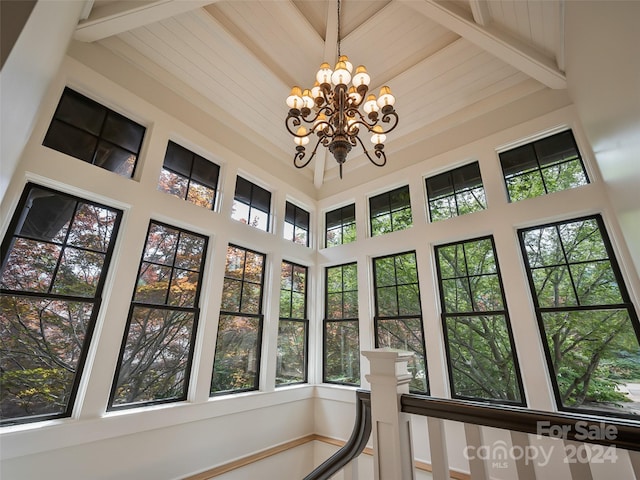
(340, 226)
(296, 224)
(390, 211)
(251, 204)
(189, 176)
(88, 131)
(545, 166)
(456, 192)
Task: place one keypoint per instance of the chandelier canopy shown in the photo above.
(331, 111)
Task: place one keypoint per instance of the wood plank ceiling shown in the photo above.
(440, 58)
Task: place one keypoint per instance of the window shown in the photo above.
(456, 192)
(588, 323)
(340, 226)
(251, 204)
(398, 319)
(55, 260)
(296, 224)
(189, 176)
(390, 211)
(155, 358)
(292, 328)
(545, 166)
(341, 335)
(91, 132)
(477, 331)
(237, 358)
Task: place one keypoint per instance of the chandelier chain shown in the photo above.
(339, 52)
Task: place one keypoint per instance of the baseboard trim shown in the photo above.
(249, 459)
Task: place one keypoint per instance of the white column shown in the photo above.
(389, 378)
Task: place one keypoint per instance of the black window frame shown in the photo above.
(380, 318)
(194, 159)
(297, 217)
(389, 208)
(252, 201)
(259, 316)
(345, 214)
(474, 313)
(535, 157)
(194, 310)
(99, 135)
(96, 300)
(304, 321)
(343, 319)
(626, 304)
(456, 183)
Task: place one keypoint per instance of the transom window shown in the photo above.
(398, 317)
(456, 192)
(251, 204)
(156, 354)
(341, 334)
(340, 226)
(477, 331)
(588, 324)
(545, 166)
(237, 358)
(88, 131)
(293, 325)
(189, 176)
(55, 259)
(390, 211)
(296, 224)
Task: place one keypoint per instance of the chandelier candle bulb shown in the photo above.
(370, 105)
(294, 99)
(341, 75)
(301, 139)
(361, 77)
(385, 97)
(324, 74)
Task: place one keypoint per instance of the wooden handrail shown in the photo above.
(581, 428)
(354, 446)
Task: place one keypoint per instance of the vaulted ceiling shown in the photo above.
(441, 59)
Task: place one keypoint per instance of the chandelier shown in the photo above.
(331, 111)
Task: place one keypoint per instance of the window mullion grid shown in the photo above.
(173, 268)
(191, 167)
(567, 264)
(63, 248)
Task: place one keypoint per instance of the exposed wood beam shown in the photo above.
(118, 17)
(508, 49)
(330, 49)
(480, 11)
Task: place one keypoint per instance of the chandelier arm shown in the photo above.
(295, 122)
(300, 153)
(379, 152)
(390, 116)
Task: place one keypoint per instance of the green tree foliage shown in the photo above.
(587, 321)
(480, 350)
(399, 313)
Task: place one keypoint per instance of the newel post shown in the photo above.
(389, 378)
